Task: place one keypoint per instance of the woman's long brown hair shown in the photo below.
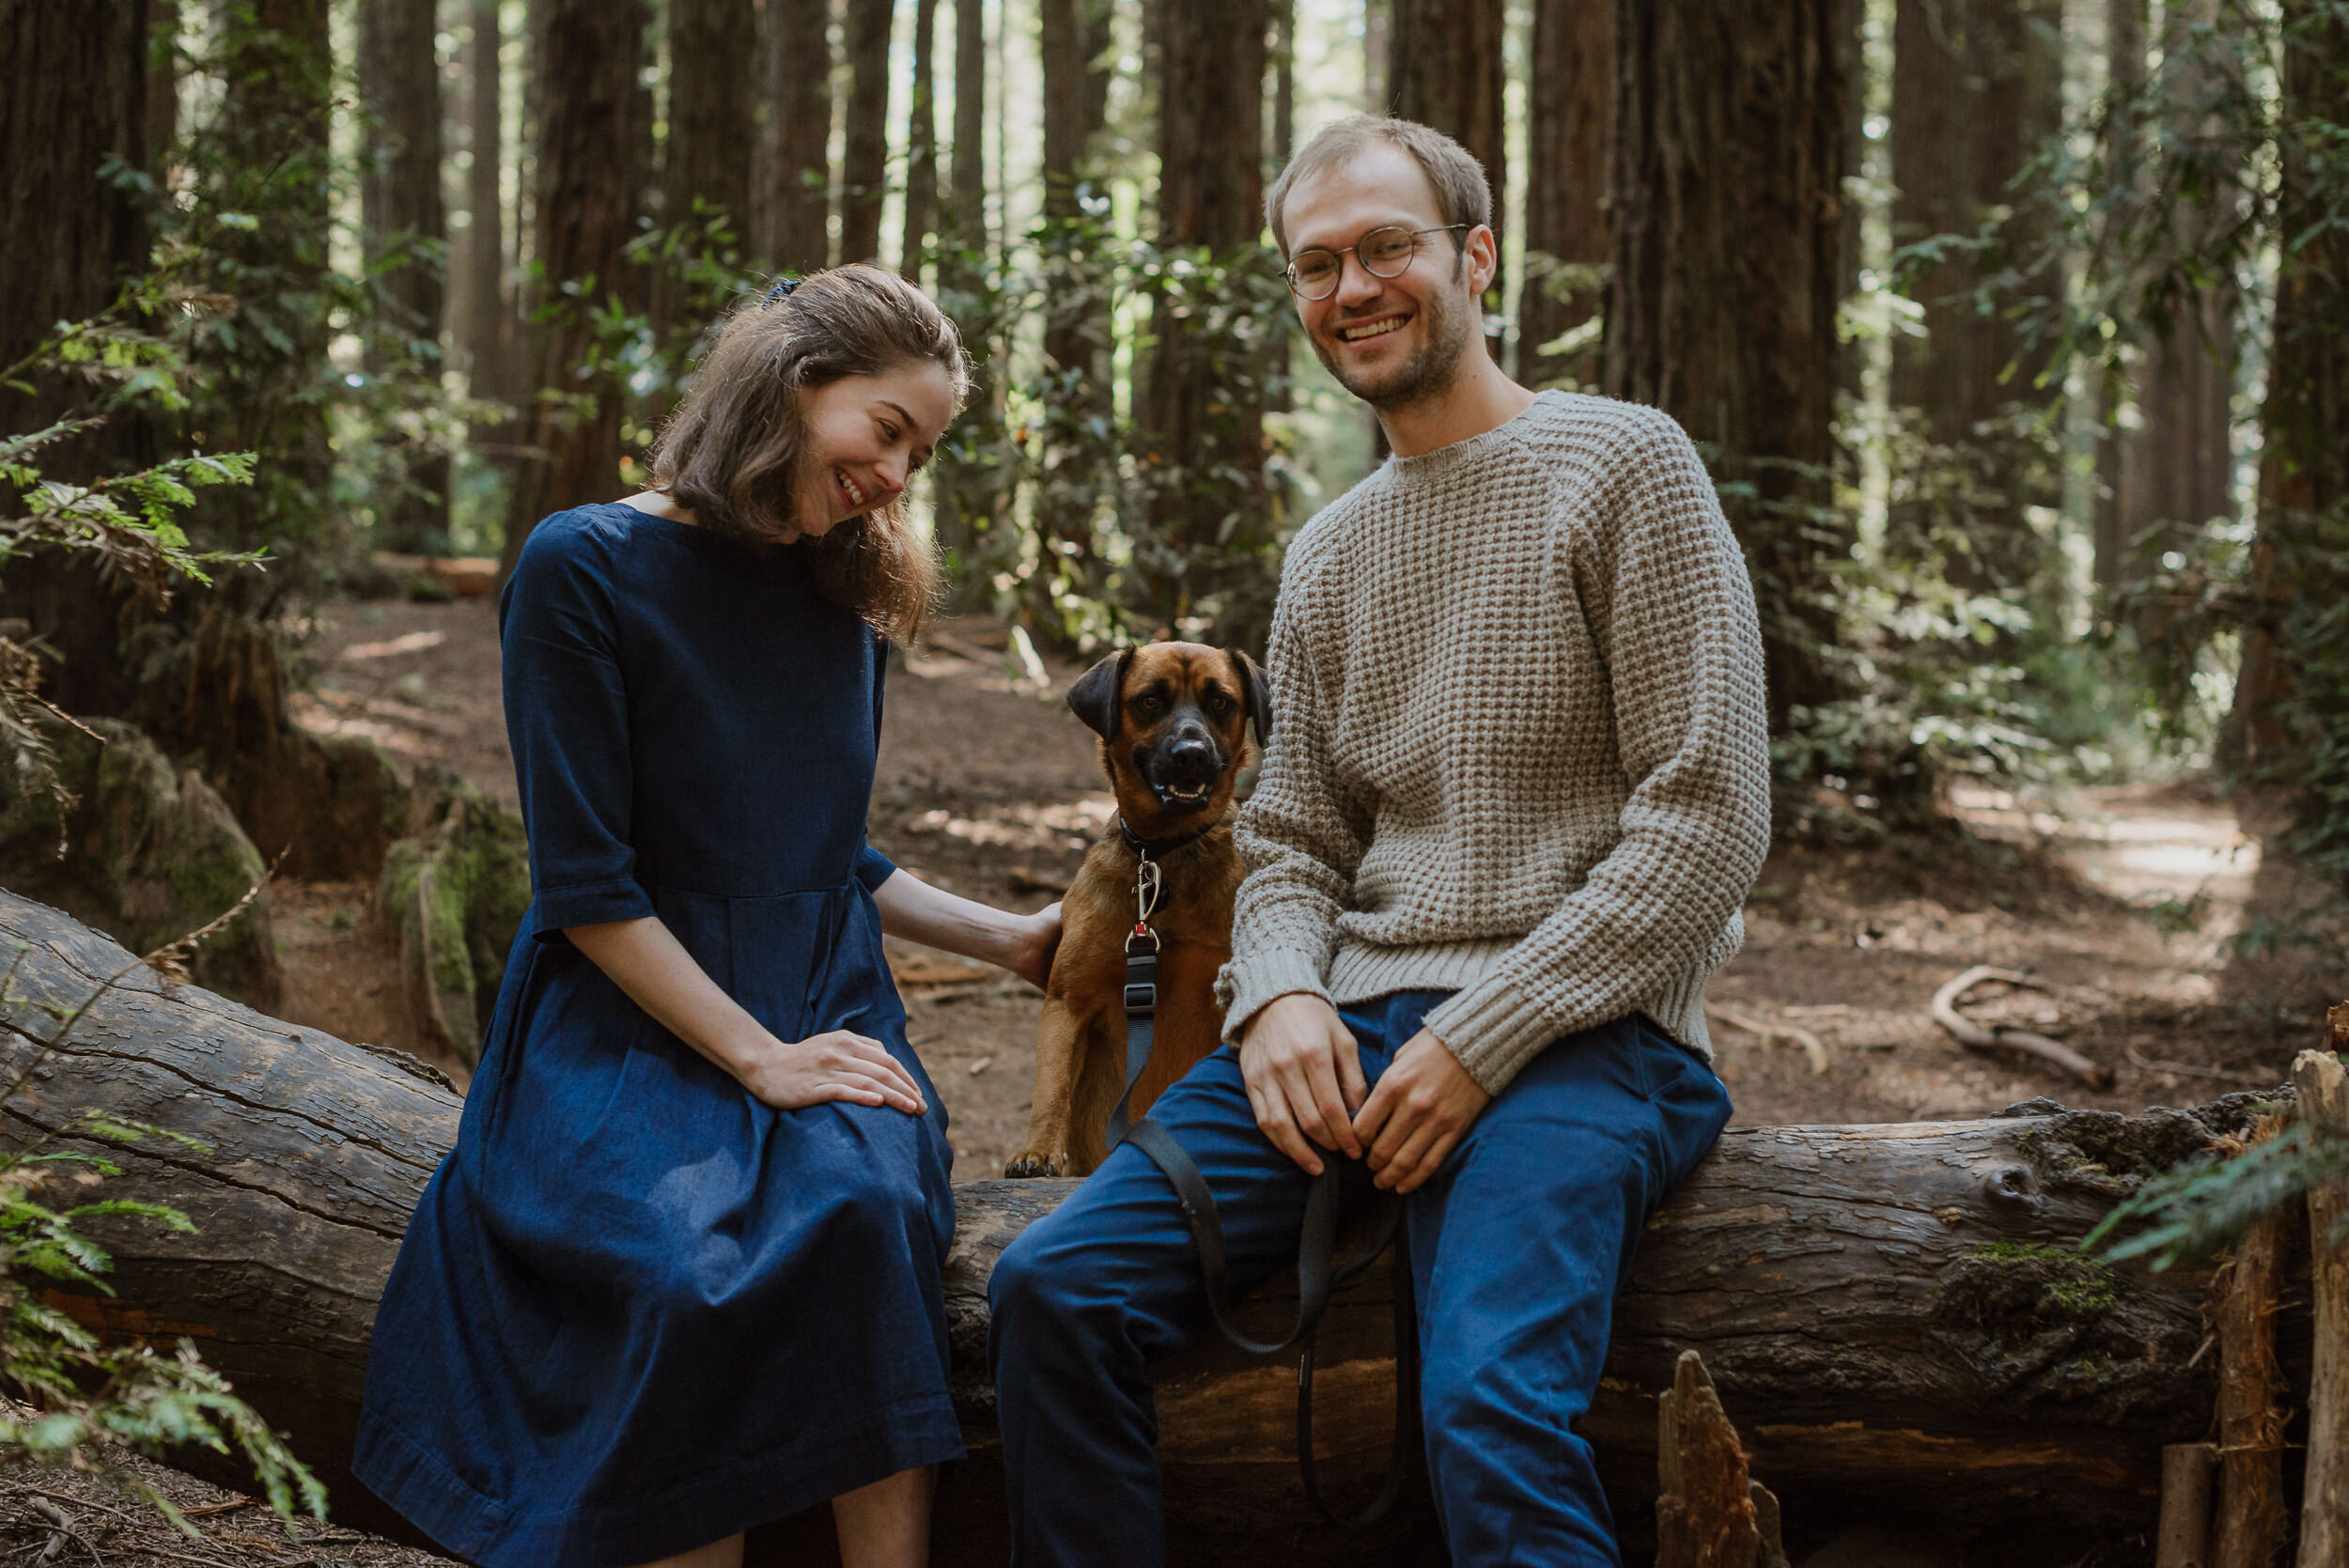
(734, 452)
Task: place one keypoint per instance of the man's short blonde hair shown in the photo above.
(1463, 194)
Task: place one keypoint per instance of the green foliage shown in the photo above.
(86, 1391)
(2187, 1214)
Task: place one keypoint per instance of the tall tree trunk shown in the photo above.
(1211, 194)
(73, 95)
(1570, 108)
(1284, 84)
(706, 164)
(865, 161)
(587, 149)
(405, 225)
(1727, 172)
(1449, 72)
(2299, 578)
(968, 486)
(1977, 87)
(1077, 348)
(1378, 50)
(2125, 57)
(921, 146)
(485, 319)
(796, 184)
(2176, 468)
(163, 81)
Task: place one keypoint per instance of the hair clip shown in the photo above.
(782, 291)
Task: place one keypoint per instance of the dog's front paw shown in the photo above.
(1028, 1162)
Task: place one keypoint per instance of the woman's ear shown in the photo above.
(1094, 695)
(1259, 691)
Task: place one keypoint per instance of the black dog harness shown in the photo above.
(1316, 1244)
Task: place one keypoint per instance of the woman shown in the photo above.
(680, 1274)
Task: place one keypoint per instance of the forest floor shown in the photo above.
(2124, 902)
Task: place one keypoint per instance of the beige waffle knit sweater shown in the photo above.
(1518, 749)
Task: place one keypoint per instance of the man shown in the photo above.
(1516, 790)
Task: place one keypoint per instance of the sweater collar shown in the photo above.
(1448, 460)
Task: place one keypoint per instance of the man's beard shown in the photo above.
(1428, 369)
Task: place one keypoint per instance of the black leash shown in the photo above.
(1316, 1243)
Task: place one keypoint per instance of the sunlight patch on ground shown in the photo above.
(1072, 825)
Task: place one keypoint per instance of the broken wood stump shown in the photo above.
(1903, 1306)
(2252, 1519)
(2323, 1086)
(1711, 1514)
(2182, 1536)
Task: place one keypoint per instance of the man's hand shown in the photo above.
(1419, 1112)
(1304, 1077)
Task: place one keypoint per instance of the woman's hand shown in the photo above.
(835, 1065)
(1032, 950)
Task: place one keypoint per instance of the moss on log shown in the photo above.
(1891, 1310)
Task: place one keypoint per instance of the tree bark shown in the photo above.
(2251, 1520)
(865, 162)
(2297, 575)
(163, 83)
(1211, 194)
(72, 94)
(1571, 101)
(705, 163)
(485, 319)
(1447, 69)
(592, 51)
(1725, 196)
(913, 248)
(1977, 87)
(797, 183)
(1904, 1303)
(2323, 1087)
(968, 175)
(405, 226)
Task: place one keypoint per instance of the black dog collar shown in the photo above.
(1159, 849)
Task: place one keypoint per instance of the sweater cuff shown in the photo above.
(1493, 1028)
(1265, 975)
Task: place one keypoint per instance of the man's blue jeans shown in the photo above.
(1518, 1245)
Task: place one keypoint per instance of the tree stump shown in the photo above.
(2323, 1086)
(1711, 1513)
(2251, 1518)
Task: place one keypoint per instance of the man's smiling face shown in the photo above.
(1389, 341)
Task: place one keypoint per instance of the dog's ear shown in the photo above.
(1259, 692)
(1092, 697)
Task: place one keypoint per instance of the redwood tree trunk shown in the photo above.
(1977, 87)
(713, 130)
(72, 94)
(797, 183)
(1570, 109)
(592, 51)
(864, 161)
(402, 211)
(485, 324)
(913, 248)
(1210, 194)
(2298, 578)
(1725, 196)
(1447, 70)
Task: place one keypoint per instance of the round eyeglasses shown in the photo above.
(1384, 253)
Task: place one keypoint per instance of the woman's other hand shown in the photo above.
(835, 1065)
(1030, 956)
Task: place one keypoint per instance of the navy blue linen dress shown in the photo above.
(637, 1309)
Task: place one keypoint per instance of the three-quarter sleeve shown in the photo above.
(566, 721)
(872, 868)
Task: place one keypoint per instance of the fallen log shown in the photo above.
(1895, 1311)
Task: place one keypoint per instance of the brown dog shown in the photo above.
(1173, 718)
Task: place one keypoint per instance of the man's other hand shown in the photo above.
(1304, 1077)
(1421, 1110)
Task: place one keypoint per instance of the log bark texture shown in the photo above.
(2323, 1086)
(1894, 1307)
(2251, 1522)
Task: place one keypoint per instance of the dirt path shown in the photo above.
(2122, 906)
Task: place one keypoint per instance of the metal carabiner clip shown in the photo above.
(1148, 883)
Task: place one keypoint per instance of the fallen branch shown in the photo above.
(1992, 1039)
(1769, 1033)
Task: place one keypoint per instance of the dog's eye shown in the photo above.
(1149, 703)
(1218, 703)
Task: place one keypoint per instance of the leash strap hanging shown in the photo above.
(1316, 1242)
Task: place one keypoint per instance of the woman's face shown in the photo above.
(866, 436)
